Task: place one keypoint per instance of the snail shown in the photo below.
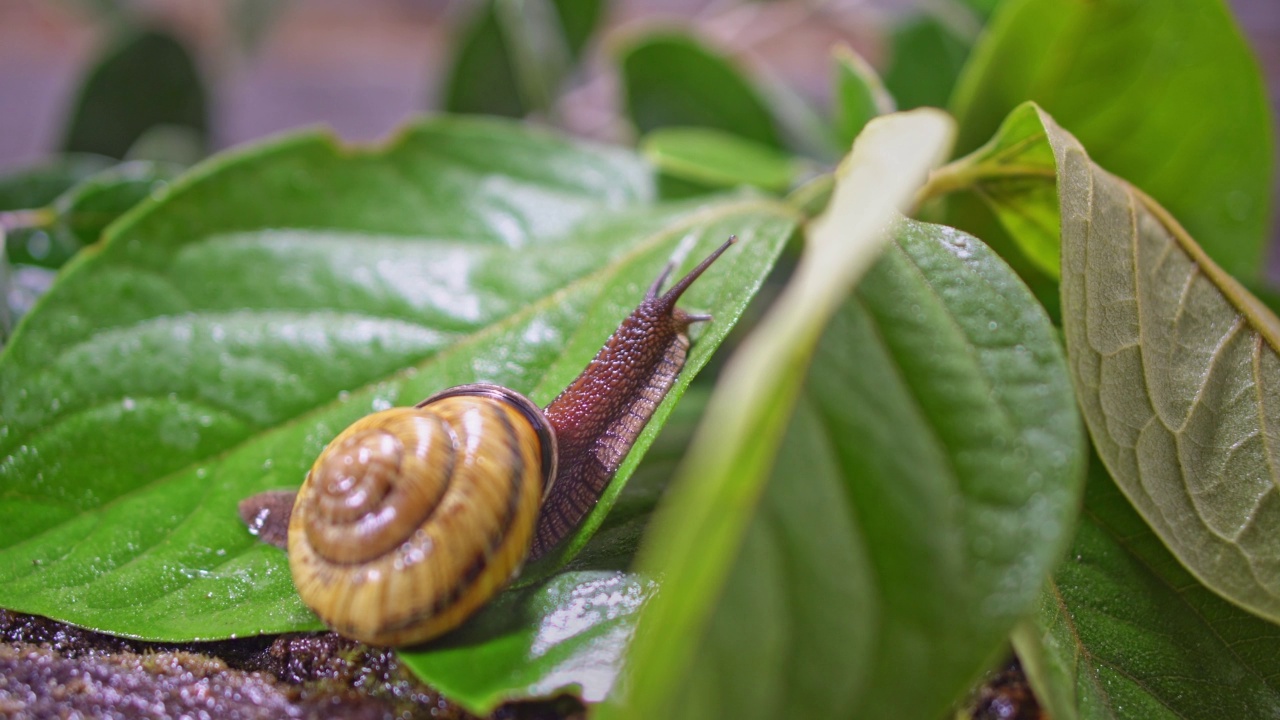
(412, 518)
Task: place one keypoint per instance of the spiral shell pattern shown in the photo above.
(412, 518)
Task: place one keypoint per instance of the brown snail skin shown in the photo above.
(412, 518)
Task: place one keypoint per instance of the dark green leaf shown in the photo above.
(220, 336)
(482, 77)
(925, 59)
(859, 95)
(578, 20)
(37, 186)
(927, 485)
(984, 8)
(1126, 632)
(717, 159)
(1166, 95)
(566, 634)
(144, 81)
(78, 216)
(87, 209)
(510, 61)
(674, 80)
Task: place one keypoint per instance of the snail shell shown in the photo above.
(413, 517)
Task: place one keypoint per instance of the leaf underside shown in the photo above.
(1178, 378)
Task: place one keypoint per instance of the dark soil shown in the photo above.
(48, 669)
(1006, 695)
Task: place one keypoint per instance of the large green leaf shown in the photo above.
(926, 487)
(226, 330)
(672, 79)
(920, 490)
(77, 217)
(1124, 632)
(1177, 372)
(1166, 95)
(146, 80)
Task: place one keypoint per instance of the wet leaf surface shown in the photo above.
(217, 340)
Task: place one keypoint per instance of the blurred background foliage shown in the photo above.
(715, 92)
(172, 80)
(107, 98)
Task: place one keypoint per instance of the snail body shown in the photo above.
(412, 518)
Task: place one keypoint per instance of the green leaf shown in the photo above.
(1166, 95)
(578, 20)
(145, 80)
(1178, 376)
(927, 485)
(1015, 174)
(859, 95)
(718, 159)
(926, 56)
(511, 61)
(1128, 633)
(78, 216)
(674, 80)
(87, 209)
(984, 8)
(482, 77)
(221, 335)
(23, 197)
(39, 185)
(710, 505)
(568, 632)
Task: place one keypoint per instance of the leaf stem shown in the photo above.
(964, 174)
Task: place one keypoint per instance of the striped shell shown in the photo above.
(412, 518)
